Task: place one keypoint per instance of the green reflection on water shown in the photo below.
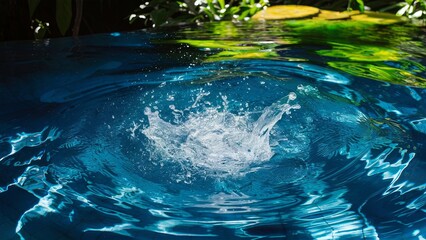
(362, 52)
(381, 72)
(363, 49)
(387, 63)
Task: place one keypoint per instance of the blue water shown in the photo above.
(141, 136)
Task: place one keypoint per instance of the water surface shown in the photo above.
(288, 130)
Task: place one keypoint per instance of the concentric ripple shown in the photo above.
(252, 149)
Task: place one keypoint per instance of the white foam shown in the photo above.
(216, 141)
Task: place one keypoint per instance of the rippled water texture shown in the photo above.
(295, 130)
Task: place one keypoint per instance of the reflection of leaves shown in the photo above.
(375, 62)
(321, 30)
(357, 48)
(218, 44)
(232, 49)
(224, 40)
(381, 72)
(362, 53)
(252, 54)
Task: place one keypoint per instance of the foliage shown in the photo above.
(413, 8)
(167, 12)
(360, 3)
(32, 5)
(63, 17)
(40, 29)
(61, 13)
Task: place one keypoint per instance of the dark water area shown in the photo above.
(280, 130)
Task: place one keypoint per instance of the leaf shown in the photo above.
(244, 14)
(40, 33)
(361, 5)
(234, 10)
(191, 5)
(159, 16)
(417, 14)
(172, 8)
(40, 30)
(253, 10)
(403, 10)
(222, 4)
(209, 14)
(212, 7)
(63, 15)
(32, 5)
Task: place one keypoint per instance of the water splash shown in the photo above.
(216, 141)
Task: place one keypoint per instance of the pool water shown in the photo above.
(281, 130)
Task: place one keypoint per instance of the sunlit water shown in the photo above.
(265, 131)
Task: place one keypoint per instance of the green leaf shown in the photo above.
(63, 15)
(159, 16)
(244, 14)
(191, 5)
(209, 14)
(40, 30)
(172, 8)
(212, 8)
(222, 4)
(32, 5)
(361, 5)
(234, 10)
(253, 10)
(403, 10)
(40, 33)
